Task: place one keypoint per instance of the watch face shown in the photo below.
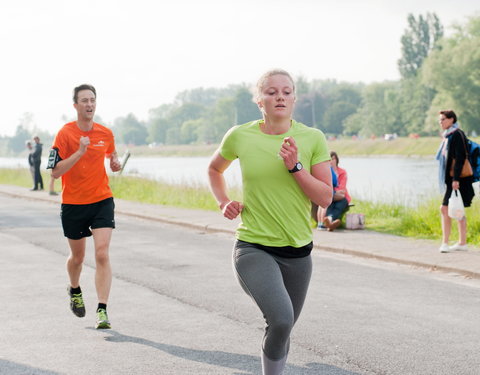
(298, 167)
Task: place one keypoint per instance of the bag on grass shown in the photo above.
(456, 210)
(355, 221)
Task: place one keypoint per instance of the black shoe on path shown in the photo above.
(76, 303)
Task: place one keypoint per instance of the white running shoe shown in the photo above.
(444, 248)
(458, 247)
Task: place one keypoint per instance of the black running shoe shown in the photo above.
(76, 304)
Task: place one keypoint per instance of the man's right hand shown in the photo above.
(84, 142)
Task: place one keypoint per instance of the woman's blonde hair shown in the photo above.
(265, 76)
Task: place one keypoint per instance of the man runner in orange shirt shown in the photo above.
(78, 154)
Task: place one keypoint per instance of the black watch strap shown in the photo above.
(298, 167)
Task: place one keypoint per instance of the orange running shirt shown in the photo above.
(87, 181)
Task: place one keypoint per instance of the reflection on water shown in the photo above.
(394, 180)
(180, 170)
(404, 181)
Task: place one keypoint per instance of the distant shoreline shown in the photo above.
(422, 147)
(399, 147)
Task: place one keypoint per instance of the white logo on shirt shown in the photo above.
(99, 144)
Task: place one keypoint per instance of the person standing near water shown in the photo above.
(453, 147)
(29, 146)
(285, 165)
(37, 160)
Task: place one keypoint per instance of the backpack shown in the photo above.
(474, 158)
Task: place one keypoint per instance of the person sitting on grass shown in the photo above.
(331, 218)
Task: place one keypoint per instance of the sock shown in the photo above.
(76, 290)
(102, 306)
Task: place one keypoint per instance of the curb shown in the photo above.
(413, 263)
(213, 228)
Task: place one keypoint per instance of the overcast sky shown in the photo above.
(140, 54)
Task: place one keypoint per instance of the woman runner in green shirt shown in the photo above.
(285, 165)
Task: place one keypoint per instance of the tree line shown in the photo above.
(437, 72)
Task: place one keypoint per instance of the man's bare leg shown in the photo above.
(103, 273)
(74, 269)
(75, 260)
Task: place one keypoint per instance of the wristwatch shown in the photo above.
(298, 167)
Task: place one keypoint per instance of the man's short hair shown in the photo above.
(85, 86)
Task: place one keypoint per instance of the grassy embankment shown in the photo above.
(421, 147)
(420, 222)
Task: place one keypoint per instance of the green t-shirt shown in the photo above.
(276, 211)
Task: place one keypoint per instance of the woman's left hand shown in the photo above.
(289, 152)
(455, 185)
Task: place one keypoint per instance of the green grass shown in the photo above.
(420, 222)
(154, 192)
(19, 177)
(421, 147)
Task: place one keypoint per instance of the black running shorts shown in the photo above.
(78, 219)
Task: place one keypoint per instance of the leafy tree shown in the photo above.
(302, 86)
(379, 113)
(309, 109)
(442, 100)
(25, 130)
(173, 136)
(158, 123)
(222, 119)
(335, 116)
(203, 132)
(192, 131)
(205, 97)
(414, 101)
(166, 121)
(454, 71)
(135, 135)
(177, 123)
(341, 100)
(245, 109)
(17, 143)
(346, 92)
(314, 107)
(185, 112)
(418, 40)
(129, 130)
(310, 103)
(353, 124)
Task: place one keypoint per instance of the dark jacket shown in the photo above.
(457, 151)
(37, 153)
(457, 145)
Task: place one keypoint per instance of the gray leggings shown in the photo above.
(278, 286)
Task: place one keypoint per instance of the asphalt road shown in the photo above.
(176, 308)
